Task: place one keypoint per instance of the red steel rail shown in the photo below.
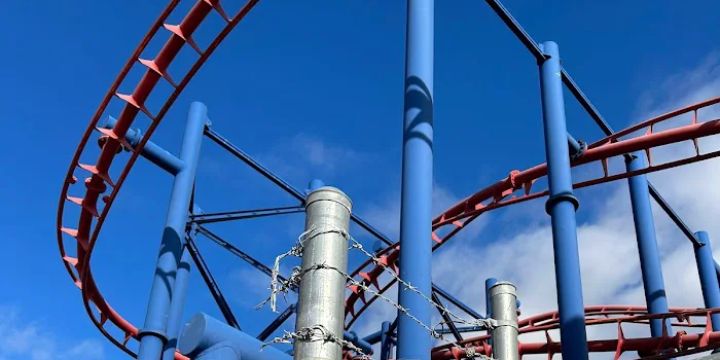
(85, 234)
(662, 347)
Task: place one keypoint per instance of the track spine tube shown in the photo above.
(562, 206)
(650, 264)
(708, 278)
(414, 342)
(153, 337)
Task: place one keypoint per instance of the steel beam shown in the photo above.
(211, 283)
(153, 337)
(151, 151)
(414, 342)
(650, 264)
(561, 206)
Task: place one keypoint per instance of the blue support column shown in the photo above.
(561, 206)
(708, 278)
(650, 264)
(153, 336)
(414, 342)
(177, 305)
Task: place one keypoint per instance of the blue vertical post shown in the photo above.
(414, 342)
(708, 279)
(561, 206)
(153, 336)
(650, 264)
(177, 305)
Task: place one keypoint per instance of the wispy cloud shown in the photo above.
(23, 339)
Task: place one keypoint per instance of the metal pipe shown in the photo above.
(153, 336)
(206, 338)
(177, 304)
(151, 151)
(414, 342)
(489, 282)
(708, 278)
(650, 264)
(504, 310)
(321, 300)
(561, 206)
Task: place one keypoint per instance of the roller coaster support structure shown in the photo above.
(414, 342)
(708, 278)
(650, 265)
(206, 338)
(561, 205)
(154, 337)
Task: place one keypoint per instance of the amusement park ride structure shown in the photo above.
(411, 332)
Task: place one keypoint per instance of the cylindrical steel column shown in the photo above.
(650, 264)
(504, 310)
(177, 305)
(561, 206)
(414, 342)
(322, 290)
(153, 336)
(708, 279)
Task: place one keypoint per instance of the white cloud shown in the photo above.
(20, 339)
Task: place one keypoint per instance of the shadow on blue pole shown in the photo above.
(561, 206)
(414, 342)
(153, 336)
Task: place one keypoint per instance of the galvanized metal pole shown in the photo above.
(561, 206)
(650, 265)
(153, 336)
(504, 310)
(708, 278)
(414, 342)
(322, 290)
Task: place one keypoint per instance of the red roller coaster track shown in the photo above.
(516, 188)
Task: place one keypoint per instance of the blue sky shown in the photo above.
(311, 91)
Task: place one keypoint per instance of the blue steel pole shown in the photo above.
(708, 278)
(153, 335)
(561, 206)
(650, 265)
(414, 341)
(177, 305)
(385, 340)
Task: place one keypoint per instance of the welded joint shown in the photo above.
(563, 196)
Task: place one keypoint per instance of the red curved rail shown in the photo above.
(505, 192)
(662, 347)
(85, 234)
